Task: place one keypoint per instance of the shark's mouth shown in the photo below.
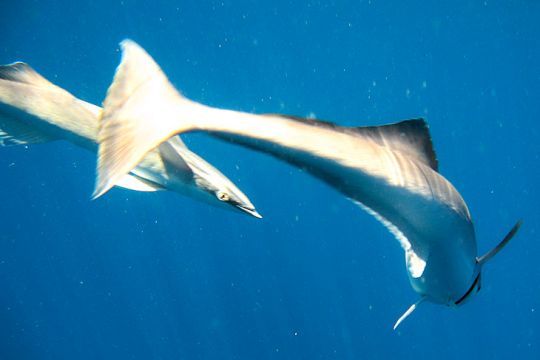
(473, 286)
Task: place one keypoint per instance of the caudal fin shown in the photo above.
(139, 113)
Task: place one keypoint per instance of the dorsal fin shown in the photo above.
(23, 73)
(410, 137)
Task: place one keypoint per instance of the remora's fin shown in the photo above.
(129, 129)
(486, 257)
(172, 153)
(408, 312)
(133, 182)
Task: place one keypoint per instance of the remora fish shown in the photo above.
(33, 110)
(390, 170)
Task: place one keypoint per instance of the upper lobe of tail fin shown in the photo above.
(139, 113)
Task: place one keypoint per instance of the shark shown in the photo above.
(391, 171)
(33, 110)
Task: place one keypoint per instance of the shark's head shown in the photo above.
(189, 174)
(476, 280)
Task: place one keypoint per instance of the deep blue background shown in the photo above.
(159, 276)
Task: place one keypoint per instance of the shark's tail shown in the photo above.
(29, 103)
(142, 110)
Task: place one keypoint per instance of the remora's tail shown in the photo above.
(142, 110)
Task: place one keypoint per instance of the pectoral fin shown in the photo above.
(408, 312)
(132, 182)
(486, 257)
(175, 164)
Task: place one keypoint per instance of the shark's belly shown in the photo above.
(448, 274)
(437, 236)
(439, 242)
(421, 208)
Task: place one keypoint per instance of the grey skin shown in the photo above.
(33, 110)
(391, 170)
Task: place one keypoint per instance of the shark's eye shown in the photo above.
(222, 196)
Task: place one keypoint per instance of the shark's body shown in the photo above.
(33, 110)
(371, 166)
(391, 171)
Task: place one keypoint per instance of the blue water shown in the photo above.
(160, 276)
